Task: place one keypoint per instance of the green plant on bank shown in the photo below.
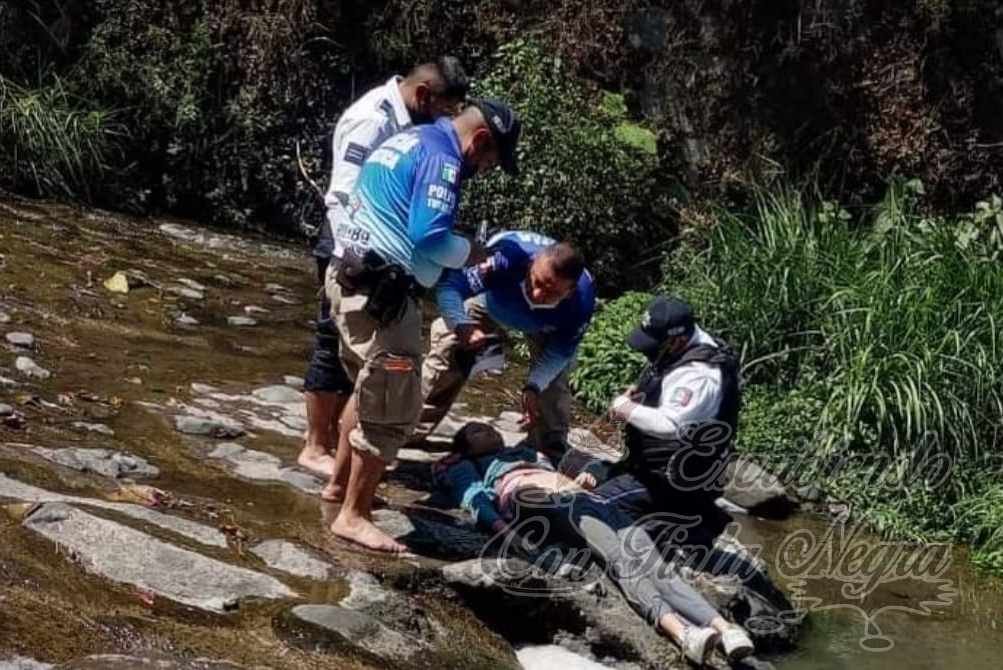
(871, 353)
(605, 364)
(53, 142)
(587, 173)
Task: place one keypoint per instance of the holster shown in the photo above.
(387, 286)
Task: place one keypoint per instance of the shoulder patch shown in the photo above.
(450, 173)
(356, 153)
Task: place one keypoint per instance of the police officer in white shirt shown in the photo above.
(680, 418)
(429, 91)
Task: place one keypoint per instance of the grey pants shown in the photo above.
(632, 561)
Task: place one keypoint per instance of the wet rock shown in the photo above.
(197, 425)
(186, 292)
(4, 317)
(241, 321)
(278, 394)
(275, 288)
(12, 488)
(21, 340)
(546, 657)
(22, 663)
(7, 382)
(364, 591)
(5, 410)
(94, 428)
(114, 464)
(296, 382)
(147, 662)
(284, 300)
(30, 368)
(333, 629)
(202, 389)
(185, 320)
(753, 488)
(192, 284)
(128, 556)
(262, 466)
(288, 557)
(297, 423)
(251, 310)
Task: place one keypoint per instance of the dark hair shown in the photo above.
(447, 73)
(461, 441)
(568, 262)
(454, 77)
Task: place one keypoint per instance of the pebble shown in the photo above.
(23, 340)
(94, 428)
(186, 292)
(241, 321)
(6, 410)
(30, 368)
(192, 284)
(278, 394)
(202, 389)
(185, 320)
(196, 425)
(284, 300)
(4, 317)
(275, 288)
(254, 309)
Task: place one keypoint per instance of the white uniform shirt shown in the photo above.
(370, 120)
(690, 394)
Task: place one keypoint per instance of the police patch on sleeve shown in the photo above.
(356, 153)
(682, 396)
(450, 173)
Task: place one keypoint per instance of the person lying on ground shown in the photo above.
(527, 283)
(499, 486)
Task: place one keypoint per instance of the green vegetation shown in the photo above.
(579, 181)
(52, 141)
(871, 353)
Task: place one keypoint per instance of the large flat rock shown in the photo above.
(12, 488)
(292, 558)
(262, 466)
(128, 556)
(114, 464)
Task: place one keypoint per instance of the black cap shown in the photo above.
(505, 128)
(666, 317)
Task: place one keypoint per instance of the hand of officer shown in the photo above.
(586, 480)
(471, 336)
(530, 407)
(622, 406)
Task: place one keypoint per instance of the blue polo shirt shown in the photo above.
(502, 281)
(404, 202)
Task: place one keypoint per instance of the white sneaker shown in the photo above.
(698, 643)
(736, 643)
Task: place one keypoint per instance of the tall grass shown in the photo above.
(891, 323)
(51, 141)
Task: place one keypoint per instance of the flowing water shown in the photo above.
(109, 352)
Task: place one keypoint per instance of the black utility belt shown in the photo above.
(387, 285)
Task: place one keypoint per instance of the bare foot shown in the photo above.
(316, 459)
(334, 493)
(364, 533)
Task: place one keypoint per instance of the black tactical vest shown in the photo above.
(694, 460)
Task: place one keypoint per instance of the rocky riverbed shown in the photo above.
(153, 515)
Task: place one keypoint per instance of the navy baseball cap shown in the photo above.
(666, 317)
(505, 128)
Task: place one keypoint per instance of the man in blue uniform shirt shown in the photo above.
(397, 238)
(528, 283)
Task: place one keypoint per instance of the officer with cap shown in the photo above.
(680, 418)
(396, 240)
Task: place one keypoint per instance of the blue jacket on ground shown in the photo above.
(502, 278)
(470, 483)
(404, 202)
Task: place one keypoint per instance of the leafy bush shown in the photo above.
(54, 142)
(606, 365)
(579, 180)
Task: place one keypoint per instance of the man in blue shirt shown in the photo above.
(528, 283)
(397, 238)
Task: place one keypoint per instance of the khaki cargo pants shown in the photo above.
(443, 377)
(384, 363)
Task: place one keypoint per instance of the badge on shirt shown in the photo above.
(682, 396)
(449, 173)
